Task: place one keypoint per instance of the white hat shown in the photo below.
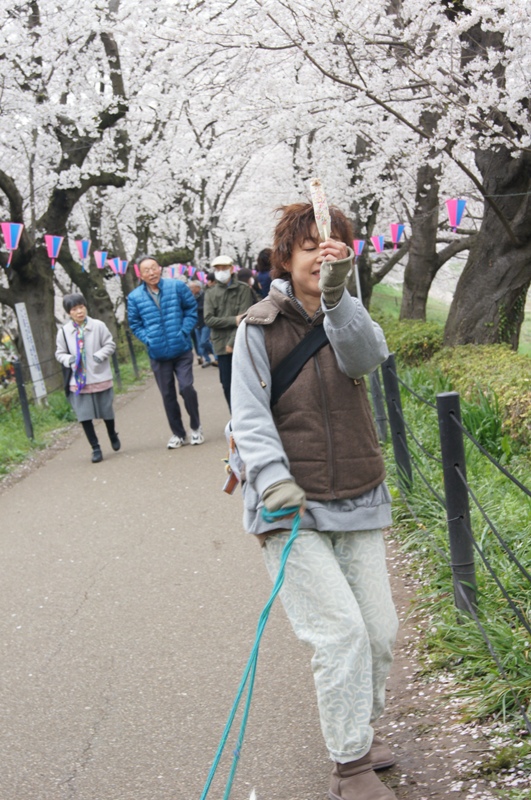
(222, 261)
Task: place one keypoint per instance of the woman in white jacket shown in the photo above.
(85, 346)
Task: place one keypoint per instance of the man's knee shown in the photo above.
(187, 390)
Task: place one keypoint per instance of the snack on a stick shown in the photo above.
(320, 209)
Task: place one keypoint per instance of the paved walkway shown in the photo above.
(129, 600)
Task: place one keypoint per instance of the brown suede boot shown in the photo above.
(380, 753)
(357, 781)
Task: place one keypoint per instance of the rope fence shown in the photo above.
(463, 544)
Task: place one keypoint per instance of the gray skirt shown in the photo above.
(93, 406)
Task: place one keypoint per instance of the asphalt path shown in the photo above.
(129, 599)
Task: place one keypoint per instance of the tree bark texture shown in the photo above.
(488, 305)
(423, 263)
(38, 296)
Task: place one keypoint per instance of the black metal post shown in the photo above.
(398, 430)
(379, 405)
(131, 351)
(116, 367)
(457, 506)
(28, 425)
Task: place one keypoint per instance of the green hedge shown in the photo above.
(494, 369)
(412, 341)
(478, 372)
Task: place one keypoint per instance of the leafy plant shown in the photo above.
(412, 341)
(452, 641)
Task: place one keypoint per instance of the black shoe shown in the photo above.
(97, 455)
(115, 442)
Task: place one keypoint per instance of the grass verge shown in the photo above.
(453, 648)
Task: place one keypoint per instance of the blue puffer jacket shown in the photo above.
(166, 330)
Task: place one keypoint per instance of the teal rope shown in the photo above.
(250, 669)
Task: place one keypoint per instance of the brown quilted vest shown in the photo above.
(324, 419)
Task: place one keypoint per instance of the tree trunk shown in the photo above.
(38, 295)
(364, 223)
(423, 263)
(488, 304)
(365, 276)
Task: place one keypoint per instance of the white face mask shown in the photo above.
(222, 275)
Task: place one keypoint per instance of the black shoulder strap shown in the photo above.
(289, 368)
(66, 343)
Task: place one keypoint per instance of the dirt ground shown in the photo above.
(437, 755)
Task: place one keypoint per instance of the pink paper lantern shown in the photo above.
(53, 246)
(100, 257)
(455, 207)
(397, 229)
(114, 264)
(358, 244)
(378, 242)
(83, 247)
(12, 231)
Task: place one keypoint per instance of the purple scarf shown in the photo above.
(80, 366)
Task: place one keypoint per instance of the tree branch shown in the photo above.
(103, 179)
(378, 101)
(10, 189)
(455, 247)
(110, 116)
(379, 275)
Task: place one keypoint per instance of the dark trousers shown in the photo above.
(225, 374)
(181, 368)
(90, 433)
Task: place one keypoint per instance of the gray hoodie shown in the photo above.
(359, 345)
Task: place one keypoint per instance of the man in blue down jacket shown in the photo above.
(162, 314)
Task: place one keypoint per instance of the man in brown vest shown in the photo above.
(315, 448)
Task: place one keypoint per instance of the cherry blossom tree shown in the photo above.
(454, 77)
(162, 126)
(63, 93)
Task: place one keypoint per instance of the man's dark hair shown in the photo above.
(244, 275)
(263, 261)
(145, 257)
(70, 301)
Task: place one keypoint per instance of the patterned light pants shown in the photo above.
(337, 597)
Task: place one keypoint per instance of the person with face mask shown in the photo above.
(225, 306)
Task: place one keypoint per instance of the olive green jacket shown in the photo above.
(223, 303)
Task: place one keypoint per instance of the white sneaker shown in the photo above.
(197, 436)
(175, 442)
